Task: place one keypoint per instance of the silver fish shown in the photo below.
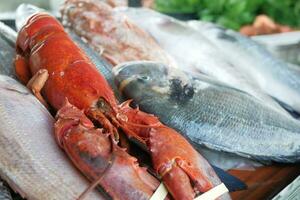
(211, 114)
(7, 50)
(274, 76)
(30, 160)
(195, 53)
(4, 192)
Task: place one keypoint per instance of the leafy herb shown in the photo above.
(235, 13)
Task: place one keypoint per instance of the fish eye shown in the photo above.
(144, 78)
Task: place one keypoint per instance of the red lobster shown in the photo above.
(58, 69)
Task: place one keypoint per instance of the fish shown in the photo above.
(193, 52)
(4, 192)
(209, 113)
(30, 161)
(7, 50)
(113, 36)
(274, 76)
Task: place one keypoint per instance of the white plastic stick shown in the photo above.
(160, 193)
(213, 193)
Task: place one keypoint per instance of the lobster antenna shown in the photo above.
(94, 184)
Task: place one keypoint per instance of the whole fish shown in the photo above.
(274, 76)
(7, 50)
(30, 160)
(4, 192)
(111, 34)
(194, 52)
(211, 114)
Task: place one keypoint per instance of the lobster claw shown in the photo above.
(183, 170)
(92, 151)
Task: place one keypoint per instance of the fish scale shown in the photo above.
(219, 117)
(7, 49)
(7, 54)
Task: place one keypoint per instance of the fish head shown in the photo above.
(140, 78)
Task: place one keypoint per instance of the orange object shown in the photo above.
(263, 25)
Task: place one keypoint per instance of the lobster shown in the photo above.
(90, 120)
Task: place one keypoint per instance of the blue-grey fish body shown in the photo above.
(274, 76)
(7, 50)
(211, 114)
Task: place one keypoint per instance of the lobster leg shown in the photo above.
(36, 84)
(98, 116)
